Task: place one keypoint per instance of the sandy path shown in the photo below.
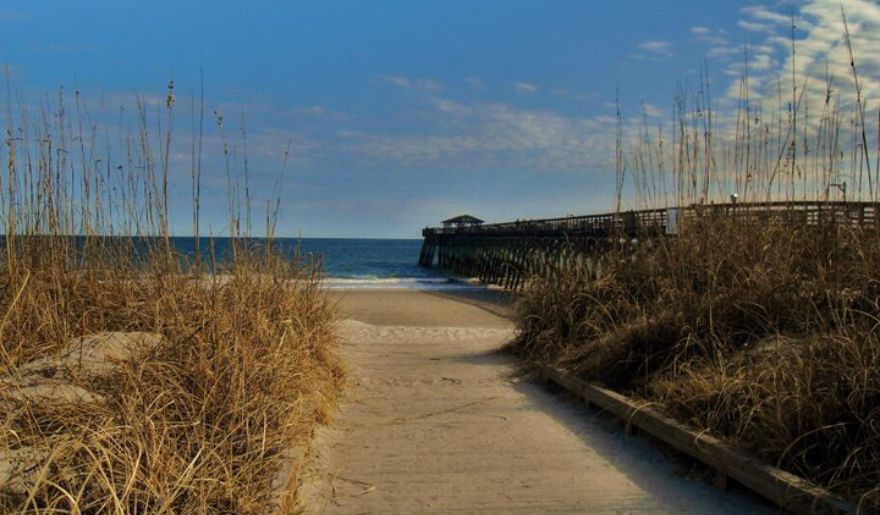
(434, 423)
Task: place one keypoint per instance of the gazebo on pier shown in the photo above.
(459, 221)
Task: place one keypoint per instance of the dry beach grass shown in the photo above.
(197, 422)
(133, 379)
(768, 338)
(762, 333)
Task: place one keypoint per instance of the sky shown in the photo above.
(399, 113)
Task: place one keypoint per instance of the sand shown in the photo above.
(436, 421)
(69, 376)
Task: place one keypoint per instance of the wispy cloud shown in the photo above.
(321, 113)
(449, 106)
(716, 40)
(653, 111)
(724, 51)
(820, 49)
(653, 50)
(400, 82)
(562, 92)
(431, 85)
(764, 14)
(475, 83)
(657, 47)
(524, 88)
(483, 135)
(756, 26)
(314, 110)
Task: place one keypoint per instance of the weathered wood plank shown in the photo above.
(789, 491)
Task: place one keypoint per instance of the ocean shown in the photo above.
(348, 263)
(381, 264)
(358, 263)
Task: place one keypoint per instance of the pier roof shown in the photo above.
(462, 220)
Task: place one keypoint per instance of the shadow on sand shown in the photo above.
(675, 480)
(495, 301)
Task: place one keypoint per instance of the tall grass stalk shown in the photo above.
(763, 331)
(243, 365)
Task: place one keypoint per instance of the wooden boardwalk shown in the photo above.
(436, 422)
(507, 253)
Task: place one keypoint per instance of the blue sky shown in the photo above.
(402, 113)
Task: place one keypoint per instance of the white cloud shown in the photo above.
(820, 47)
(761, 62)
(654, 50)
(562, 92)
(760, 12)
(718, 46)
(430, 85)
(820, 61)
(523, 88)
(756, 27)
(448, 106)
(482, 135)
(657, 47)
(653, 111)
(724, 51)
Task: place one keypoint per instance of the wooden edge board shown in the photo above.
(789, 491)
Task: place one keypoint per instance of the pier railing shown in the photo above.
(666, 220)
(607, 222)
(506, 253)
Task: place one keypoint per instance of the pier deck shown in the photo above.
(506, 253)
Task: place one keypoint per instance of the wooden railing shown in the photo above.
(667, 220)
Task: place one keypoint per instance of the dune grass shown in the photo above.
(768, 338)
(765, 334)
(241, 369)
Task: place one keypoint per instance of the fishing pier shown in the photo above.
(506, 253)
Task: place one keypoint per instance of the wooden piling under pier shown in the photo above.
(507, 254)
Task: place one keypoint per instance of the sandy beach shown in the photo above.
(487, 308)
(435, 420)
